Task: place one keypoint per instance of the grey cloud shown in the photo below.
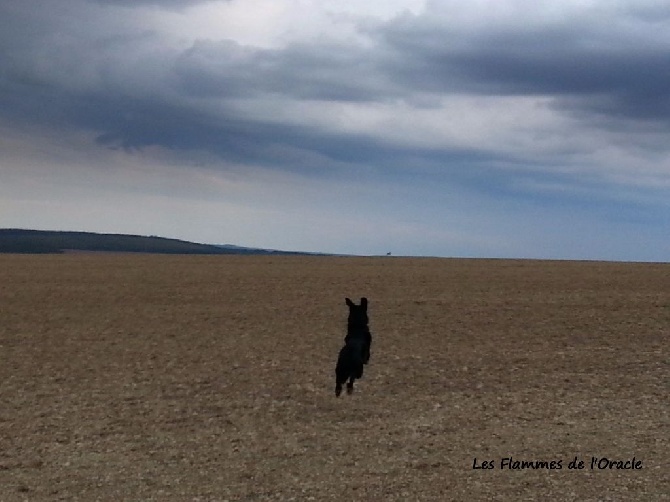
(134, 93)
(584, 64)
(326, 72)
(169, 4)
(132, 124)
(619, 74)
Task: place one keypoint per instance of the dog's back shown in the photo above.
(357, 326)
(363, 337)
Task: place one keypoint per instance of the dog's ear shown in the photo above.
(364, 303)
(349, 302)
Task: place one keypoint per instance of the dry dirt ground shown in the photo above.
(175, 378)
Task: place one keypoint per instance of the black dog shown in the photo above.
(356, 350)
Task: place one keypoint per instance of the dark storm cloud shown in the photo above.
(77, 68)
(131, 124)
(620, 74)
(87, 79)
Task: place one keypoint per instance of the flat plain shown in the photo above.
(186, 378)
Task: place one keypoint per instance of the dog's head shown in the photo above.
(358, 314)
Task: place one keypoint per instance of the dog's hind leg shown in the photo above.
(350, 384)
(341, 370)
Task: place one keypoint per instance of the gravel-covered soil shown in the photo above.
(175, 378)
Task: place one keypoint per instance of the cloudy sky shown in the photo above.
(487, 128)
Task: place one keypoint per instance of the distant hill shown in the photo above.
(233, 249)
(46, 241)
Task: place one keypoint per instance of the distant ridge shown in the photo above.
(233, 249)
(13, 240)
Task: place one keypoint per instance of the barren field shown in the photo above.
(175, 378)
